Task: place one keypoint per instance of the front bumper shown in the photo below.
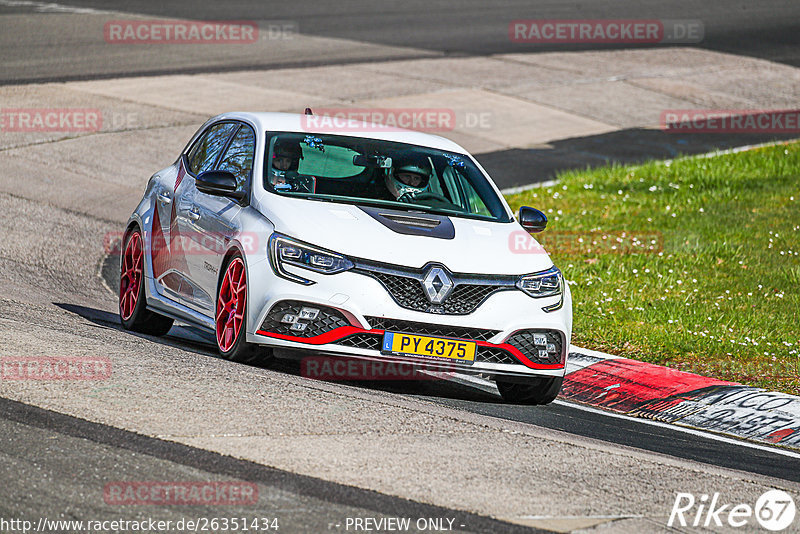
(356, 310)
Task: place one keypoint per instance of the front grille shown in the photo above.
(466, 297)
(426, 329)
(540, 346)
(408, 293)
(494, 355)
(278, 319)
(362, 341)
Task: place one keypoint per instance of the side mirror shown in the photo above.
(532, 220)
(218, 183)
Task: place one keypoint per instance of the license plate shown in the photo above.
(428, 347)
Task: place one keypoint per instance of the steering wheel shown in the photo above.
(298, 183)
(426, 195)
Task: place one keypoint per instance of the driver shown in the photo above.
(408, 178)
(286, 156)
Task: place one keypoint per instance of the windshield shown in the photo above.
(370, 171)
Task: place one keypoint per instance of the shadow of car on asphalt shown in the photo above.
(195, 340)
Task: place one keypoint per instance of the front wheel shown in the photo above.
(543, 390)
(231, 316)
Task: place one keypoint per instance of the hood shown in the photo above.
(476, 247)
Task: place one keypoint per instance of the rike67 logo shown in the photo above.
(774, 510)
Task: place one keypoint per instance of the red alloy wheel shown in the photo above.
(130, 279)
(231, 305)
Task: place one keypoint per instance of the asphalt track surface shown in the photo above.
(35, 442)
(61, 456)
(391, 31)
(562, 416)
(766, 29)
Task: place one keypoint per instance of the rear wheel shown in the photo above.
(231, 316)
(132, 302)
(537, 391)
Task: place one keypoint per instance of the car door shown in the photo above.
(212, 221)
(184, 248)
(161, 238)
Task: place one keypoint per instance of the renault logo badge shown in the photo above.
(437, 285)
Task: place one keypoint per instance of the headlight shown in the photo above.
(549, 283)
(287, 251)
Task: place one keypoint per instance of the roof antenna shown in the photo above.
(308, 111)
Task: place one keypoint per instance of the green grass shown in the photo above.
(705, 276)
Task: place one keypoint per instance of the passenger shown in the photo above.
(286, 156)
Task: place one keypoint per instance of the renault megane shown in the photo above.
(363, 242)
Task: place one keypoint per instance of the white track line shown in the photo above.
(734, 150)
(489, 386)
(521, 188)
(50, 7)
(685, 430)
(596, 353)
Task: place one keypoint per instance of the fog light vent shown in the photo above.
(540, 346)
(300, 319)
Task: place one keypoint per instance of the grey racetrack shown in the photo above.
(319, 452)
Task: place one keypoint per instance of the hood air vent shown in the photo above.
(403, 222)
(410, 220)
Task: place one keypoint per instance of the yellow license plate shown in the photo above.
(428, 347)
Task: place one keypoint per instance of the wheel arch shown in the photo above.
(234, 249)
(132, 225)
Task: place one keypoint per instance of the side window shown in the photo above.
(205, 151)
(475, 202)
(238, 159)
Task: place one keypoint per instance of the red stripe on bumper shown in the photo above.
(337, 334)
(330, 336)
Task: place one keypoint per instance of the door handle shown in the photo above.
(194, 214)
(164, 198)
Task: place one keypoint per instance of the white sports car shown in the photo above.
(368, 242)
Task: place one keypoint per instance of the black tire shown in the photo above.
(141, 319)
(241, 351)
(538, 391)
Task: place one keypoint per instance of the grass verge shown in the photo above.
(693, 263)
